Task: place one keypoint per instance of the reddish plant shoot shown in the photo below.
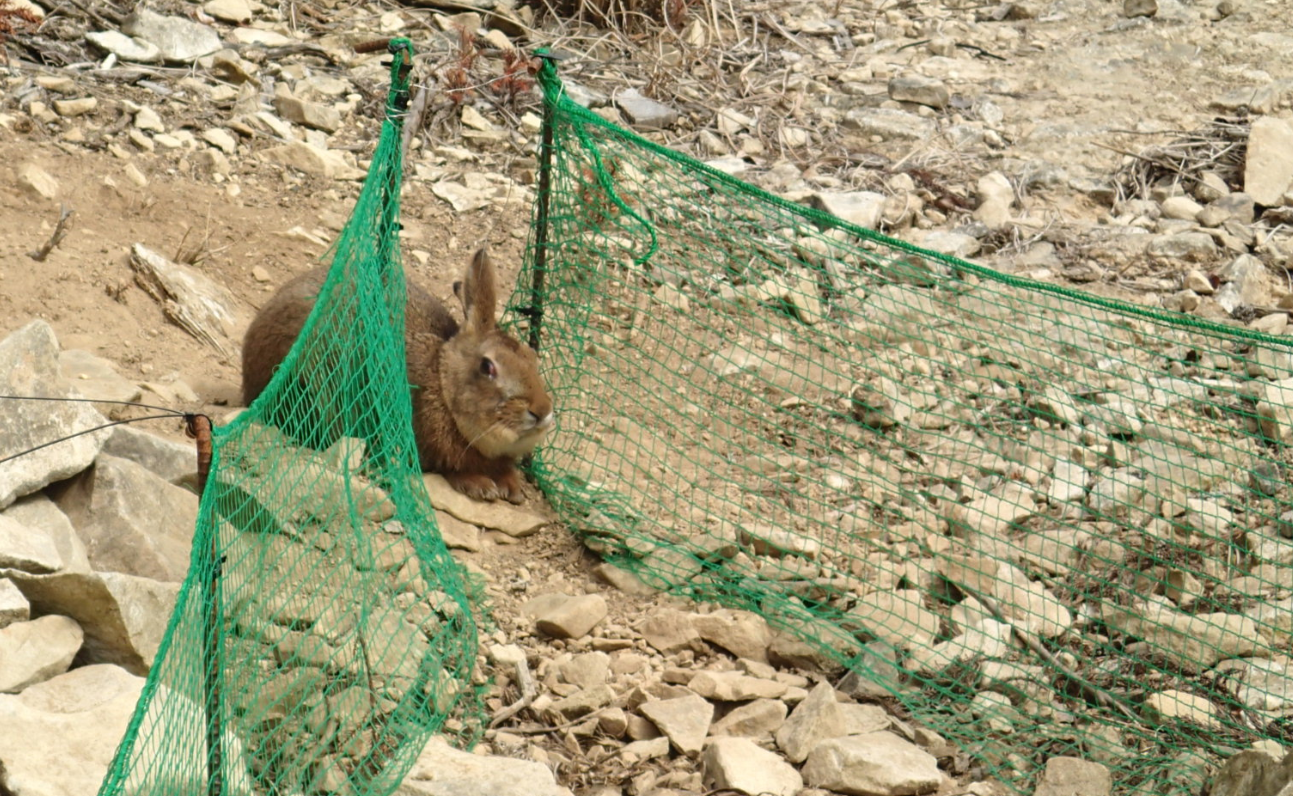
(457, 77)
(516, 78)
(13, 20)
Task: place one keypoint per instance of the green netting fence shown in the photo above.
(323, 632)
(1044, 522)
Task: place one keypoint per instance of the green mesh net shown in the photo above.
(1043, 522)
(323, 632)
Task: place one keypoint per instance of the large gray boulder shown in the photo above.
(29, 367)
(123, 616)
(59, 736)
(131, 520)
(40, 516)
(33, 652)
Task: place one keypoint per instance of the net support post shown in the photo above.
(199, 428)
(547, 78)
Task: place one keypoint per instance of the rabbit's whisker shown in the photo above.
(473, 440)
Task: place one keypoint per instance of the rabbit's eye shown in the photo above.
(488, 367)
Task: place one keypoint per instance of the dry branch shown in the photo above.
(60, 230)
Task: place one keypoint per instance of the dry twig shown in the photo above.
(1088, 688)
(529, 691)
(60, 230)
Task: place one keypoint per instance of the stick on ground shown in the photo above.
(60, 230)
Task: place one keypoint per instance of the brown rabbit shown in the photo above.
(478, 401)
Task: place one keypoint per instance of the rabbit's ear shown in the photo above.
(478, 293)
(457, 293)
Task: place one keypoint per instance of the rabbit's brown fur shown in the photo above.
(479, 403)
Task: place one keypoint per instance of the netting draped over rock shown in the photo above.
(322, 633)
(1046, 523)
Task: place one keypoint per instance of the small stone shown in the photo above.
(1236, 207)
(816, 719)
(259, 37)
(1181, 207)
(1072, 776)
(758, 719)
(920, 90)
(861, 208)
(221, 139)
(228, 66)
(1246, 283)
(1187, 246)
(734, 686)
(741, 765)
(1210, 187)
(956, 244)
(1275, 410)
(1275, 323)
(888, 124)
(1139, 8)
(236, 12)
(314, 115)
(731, 121)
(583, 702)
(880, 405)
(878, 763)
(623, 579)
(794, 137)
(648, 749)
(1199, 283)
(457, 534)
(685, 720)
(645, 113)
(1182, 587)
(58, 84)
(1265, 479)
(36, 180)
(743, 633)
(125, 47)
(76, 107)
(898, 617)
(996, 195)
(309, 159)
(1268, 167)
(179, 40)
(147, 119)
(1194, 642)
(1182, 301)
(713, 145)
(573, 617)
(586, 670)
(669, 631)
(1175, 705)
(472, 118)
(615, 723)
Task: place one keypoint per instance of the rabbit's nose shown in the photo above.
(542, 422)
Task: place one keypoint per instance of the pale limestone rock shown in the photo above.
(878, 763)
(742, 765)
